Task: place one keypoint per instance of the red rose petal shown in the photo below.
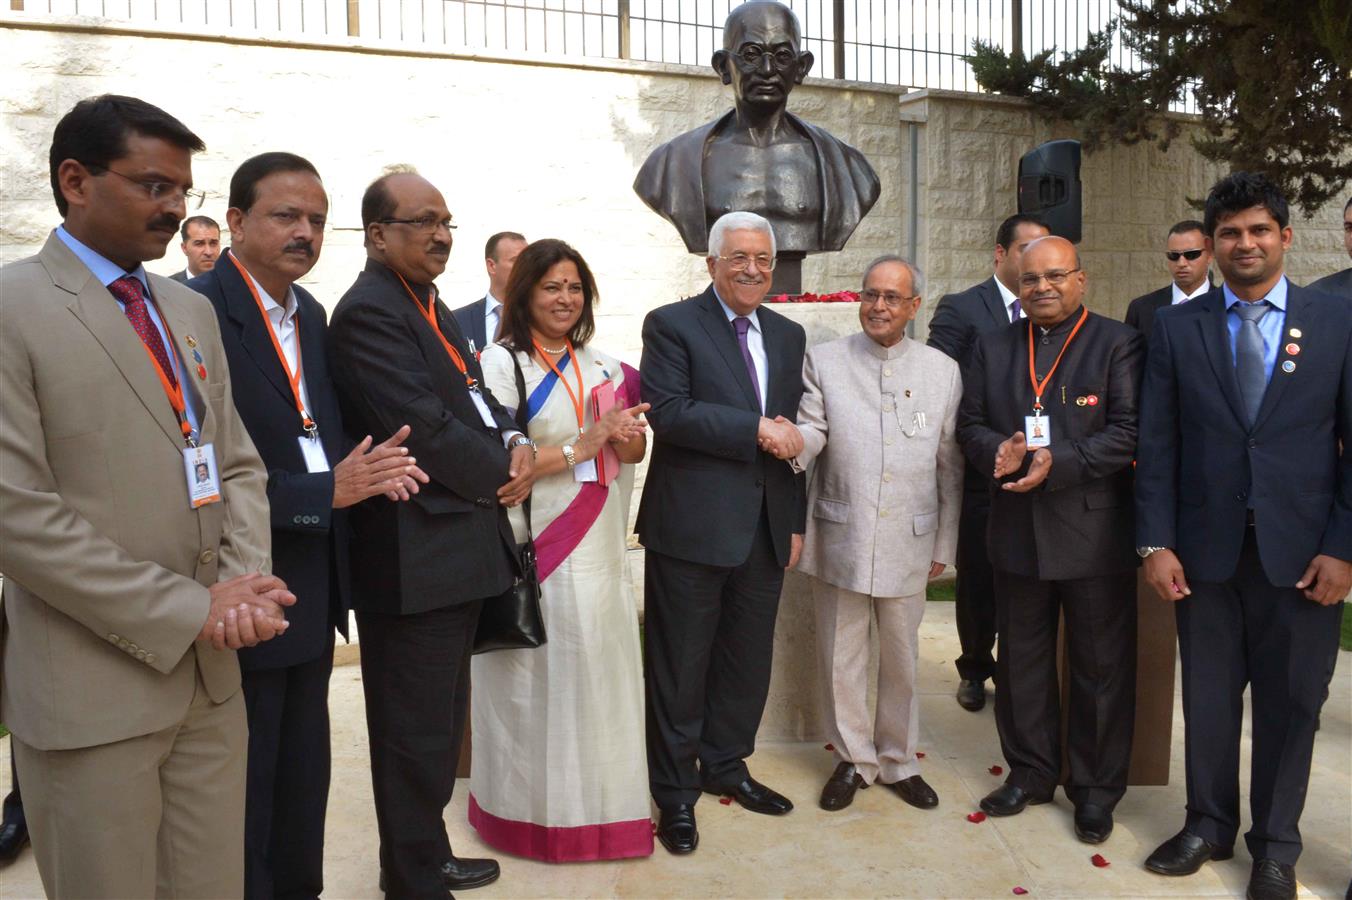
(830, 747)
(920, 754)
(1020, 891)
(726, 801)
(1099, 862)
(976, 817)
(654, 828)
(996, 770)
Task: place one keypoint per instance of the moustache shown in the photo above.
(166, 221)
(300, 245)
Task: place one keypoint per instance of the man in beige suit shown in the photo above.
(878, 416)
(127, 584)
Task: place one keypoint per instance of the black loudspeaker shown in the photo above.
(1049, 187)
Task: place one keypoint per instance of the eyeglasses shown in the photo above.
(1056, 278)
(752, 54)
(891, 298)
(158, 191)
(428, 223)
(1173, 255)
(740, 262)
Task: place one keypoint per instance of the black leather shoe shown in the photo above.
(13, 838)
(838, 792)
(1093, 823)
(462, 874)
(1184, 853)
(916, 792)
(972, 695)
(1271, 880)
(1009, 800)
(754, 796)
(676, 829)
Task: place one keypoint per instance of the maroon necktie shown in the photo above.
(128, 290)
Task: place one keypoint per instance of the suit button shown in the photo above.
(887, 476)
(207, 557)
(112, 638)
(1252, 443)
(760, 482)
(882, 514)
(887, 407)
(141, 655)
(483, 503)
(123, 644)
(888, 442)
(150, 658)
(1242, 495)
(295, 520)
(887, 372)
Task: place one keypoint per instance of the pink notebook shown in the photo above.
(607, 464)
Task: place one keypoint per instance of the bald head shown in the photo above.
(408, 226)
(750, 20)
(1051, 282)
(755, 32)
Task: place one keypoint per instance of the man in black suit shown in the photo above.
(1056, 443)
(272, 330)
(722, 516)
(1340, 283)
(1190, 267)
(1244, 519)
(422, 570)
(479, 321)
(958, 321)
(201, 245)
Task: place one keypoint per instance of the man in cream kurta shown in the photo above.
(878, 417)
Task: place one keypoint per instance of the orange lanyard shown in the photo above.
(311, 429)
(1039, 387)
(577, 369)
(172, 389)
(430, 314)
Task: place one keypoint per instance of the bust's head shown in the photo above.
(760, 56)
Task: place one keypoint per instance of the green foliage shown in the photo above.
(1271, 80)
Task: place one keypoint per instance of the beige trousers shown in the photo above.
(159, 815)
(884, 750)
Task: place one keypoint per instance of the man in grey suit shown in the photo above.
(1340, 283)
(878, 417)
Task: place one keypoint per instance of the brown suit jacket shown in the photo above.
(106, 565)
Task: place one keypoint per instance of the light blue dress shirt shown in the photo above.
(107, 271)
(1270, 326)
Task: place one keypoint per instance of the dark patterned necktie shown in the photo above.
(128, 290)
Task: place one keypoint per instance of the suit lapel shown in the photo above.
(254, 334)
(180, 329)
(724, 340)
(1298, 316)
(995, 302)
(1216, 339)
(774, 365)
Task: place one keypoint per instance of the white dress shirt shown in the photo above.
(1180, 297)
(492, 317)
(755, 342)
(1012, 308)
(282, 320)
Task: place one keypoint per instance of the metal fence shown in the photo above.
(911, 43)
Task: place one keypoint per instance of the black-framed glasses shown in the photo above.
(428, 223)
(156, 190)
(740, 262)
(891, 299)
(1173, 255)
(1056, 277)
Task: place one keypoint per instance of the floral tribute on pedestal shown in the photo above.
(837, 297)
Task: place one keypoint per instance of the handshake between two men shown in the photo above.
(779, 437)
(251, 608)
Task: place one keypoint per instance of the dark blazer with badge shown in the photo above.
(1201, 466)
(707, 479)
(451, 542)
(470, 318)
(309, 537)
(1078, 524)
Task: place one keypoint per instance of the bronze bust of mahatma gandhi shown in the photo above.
(759, 157)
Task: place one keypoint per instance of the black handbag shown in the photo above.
(512, 621)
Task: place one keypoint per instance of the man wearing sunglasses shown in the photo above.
(1189, 263)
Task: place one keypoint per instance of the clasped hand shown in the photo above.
(779, 437)
(385, 469)
(245, 611)
(1009, 458)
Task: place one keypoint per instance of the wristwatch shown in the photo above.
(569, 456)
(522, 440)
(1143, 552)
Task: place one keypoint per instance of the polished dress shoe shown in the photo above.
(461, 874)
(971, 695)
(840, 787)
(1093, 823)
(916, 792)
(1009, 800)
(676, 829)
(754, 796)
(13, 838)
(1184, 853)
(1271, 880)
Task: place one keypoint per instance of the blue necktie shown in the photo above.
(743, 324)
(1249, 367)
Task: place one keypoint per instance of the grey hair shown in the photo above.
(917, 276)
(738, 221)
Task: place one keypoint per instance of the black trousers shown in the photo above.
(709, 633)
(1100, 618)
(13, 806)
(975, 589)
(1246, 631)
(415, 675)
(288, 779)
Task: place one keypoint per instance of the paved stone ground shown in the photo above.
(879, 846)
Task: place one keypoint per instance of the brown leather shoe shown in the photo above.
(838, 792)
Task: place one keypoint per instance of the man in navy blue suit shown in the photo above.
(1244, 519)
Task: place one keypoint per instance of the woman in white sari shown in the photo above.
(559, 771)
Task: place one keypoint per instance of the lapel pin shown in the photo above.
(1296, 333)
(196, 356)
(1288, 367)
(1293, 349)
(201, 371)
(1081, 401)
(908, 393)
(192, 341)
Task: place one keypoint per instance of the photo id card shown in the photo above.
(585, 471)
(204, 484)
(312, 449)
(1038, 430)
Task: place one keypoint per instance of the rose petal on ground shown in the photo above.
(996, 770)
(1020, 891)
(976, 817)
(1099, 862)
(726, 801)
(920, 754)
(830, 747)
